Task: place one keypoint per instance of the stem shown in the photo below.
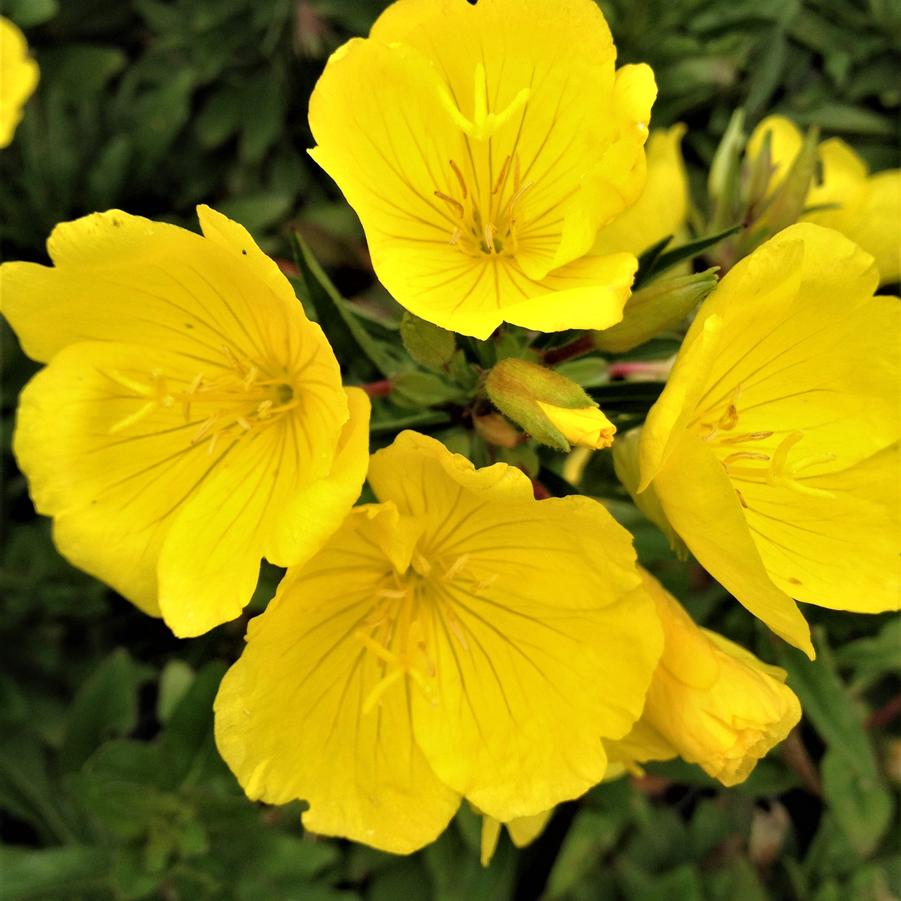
(381, 388)
(576, 348)
(885, 714)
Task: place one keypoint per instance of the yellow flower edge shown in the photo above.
(190, 421)
(19, 76)
(437, 649)
(865, 208)
(776, 437)
(711, 702)
(481, 175)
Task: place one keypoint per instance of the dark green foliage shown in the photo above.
(110, 784)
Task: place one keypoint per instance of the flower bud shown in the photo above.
(710, 701)
(547, 405)
(659, 306)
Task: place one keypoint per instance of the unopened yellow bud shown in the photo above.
(584, 426)
(711, 702)
(550, 407)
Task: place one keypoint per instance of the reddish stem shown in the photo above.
(381, 388)
(884, 714)
(287, 267)
(576, 348)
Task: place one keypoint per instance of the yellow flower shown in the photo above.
(18, 78)
(482, 147)
(711, 702)
(662, 208)
(584, 426)
(191, 419)
(440, 647)
(865, 208)
(773, 449)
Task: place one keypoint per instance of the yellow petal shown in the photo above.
(18, 78)
(524, 830)
(290, 718)
(491, 832)
(587, 427)
(865, 209)
(112, 494)
(702, 506)
(834, 539)
(785, 143)
(662, 208)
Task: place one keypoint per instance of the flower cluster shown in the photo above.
(465, 635)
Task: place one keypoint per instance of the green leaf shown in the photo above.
(627, 397)
(424, 389)
(688, 251)
(187, 741)
(29, 13)
(105, 706)
(428, 344)
(591, 834)
(394, 424)
(175, 680)
(862, 806)
(874, 656)
(54, 873)
(27, 790)
(647, 260)
(829, 707)
(346, 333)
(258, 211)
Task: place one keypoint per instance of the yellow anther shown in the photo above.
(458, 207)
(729, 419)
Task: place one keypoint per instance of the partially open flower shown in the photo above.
(711, 702)
(190, 420)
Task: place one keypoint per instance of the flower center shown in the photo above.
(237, 400)
(485, 225)
(486, 228)
(743, 454)
(408, 608)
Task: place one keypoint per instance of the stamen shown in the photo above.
(457, 206)
(729, 419)
(456, 566)
(747, 436)
(744, 455)
(460, 178)
(777, 470)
